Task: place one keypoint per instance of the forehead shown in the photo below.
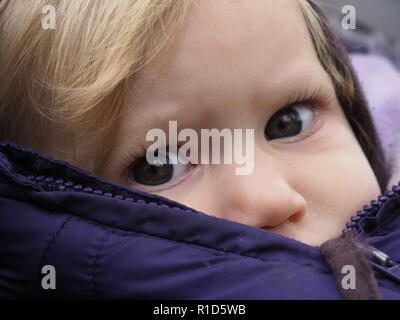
(231, 45)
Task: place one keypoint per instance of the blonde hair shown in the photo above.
(62, 90)
(326, 48)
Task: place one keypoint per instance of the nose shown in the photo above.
(263, 199)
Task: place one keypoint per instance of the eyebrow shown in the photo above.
(300, 88)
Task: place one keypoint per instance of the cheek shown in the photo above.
(340, 178)
(353, 183)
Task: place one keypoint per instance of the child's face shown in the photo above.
(240, 62)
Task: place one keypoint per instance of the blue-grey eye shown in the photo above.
(288, 122)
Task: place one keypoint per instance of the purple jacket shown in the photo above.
(106, 241)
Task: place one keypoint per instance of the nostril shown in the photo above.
(293, 218)
(296, 217)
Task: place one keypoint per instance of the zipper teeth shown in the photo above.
(58, 184)
(51, 183)
(371, 210)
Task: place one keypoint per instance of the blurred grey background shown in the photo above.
(381, 15)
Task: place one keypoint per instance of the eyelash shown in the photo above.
(127, 177)
(317, 99)
(319, 96)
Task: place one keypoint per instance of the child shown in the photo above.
(87, 93)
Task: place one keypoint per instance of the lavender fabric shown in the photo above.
(380, 80)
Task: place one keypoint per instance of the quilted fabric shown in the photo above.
(106, 241)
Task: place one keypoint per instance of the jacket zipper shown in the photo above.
(380, 261)
(58, 184)
(371, 210)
